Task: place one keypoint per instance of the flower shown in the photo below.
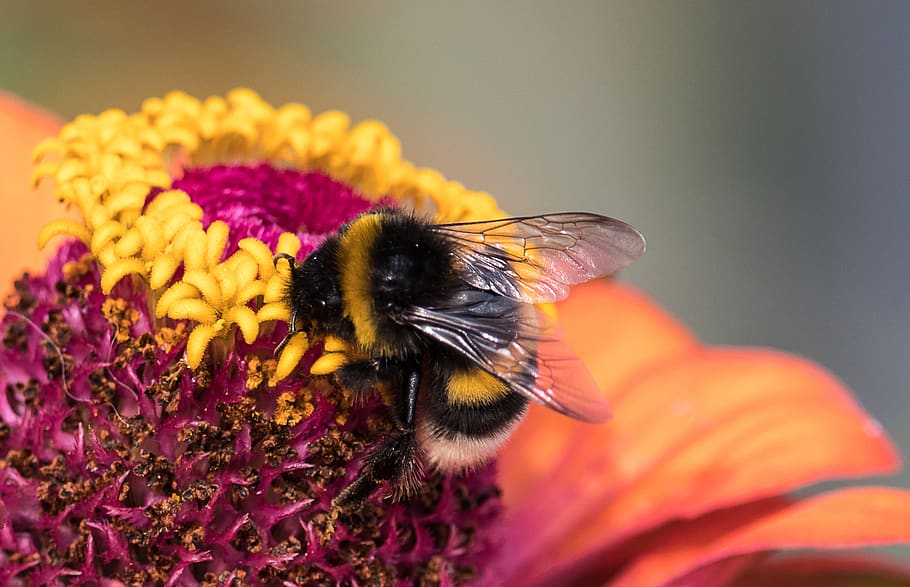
(690, 483)
(149, 436)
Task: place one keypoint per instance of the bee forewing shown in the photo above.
(536, 259)
(565, 384)
(532, 359)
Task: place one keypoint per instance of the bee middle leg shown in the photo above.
(360, 377)
(397, 459)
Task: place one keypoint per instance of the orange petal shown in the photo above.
(825, 571)
(617, 331)
(849, 518)
(597, 567)
(720, 574)
(23, 210)
(705, 431)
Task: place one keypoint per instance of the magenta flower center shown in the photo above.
(262, 201)
(119, 462)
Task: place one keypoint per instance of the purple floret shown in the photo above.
(118, 462)
(262, 201)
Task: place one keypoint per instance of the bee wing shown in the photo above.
(536, 259)
(539, 366)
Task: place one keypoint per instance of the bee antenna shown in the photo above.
(282, 344)
(292, 330)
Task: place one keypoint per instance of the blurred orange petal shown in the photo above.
(617, 331)
(825, 571)
(711, 429)
(23, 210)
(723, 573)
(848, 518)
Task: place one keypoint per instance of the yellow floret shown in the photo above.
(62, 227)
(291, 355)
(106, 166)
(197, 342)
(328, 363)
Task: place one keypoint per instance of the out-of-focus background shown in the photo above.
(763, 148)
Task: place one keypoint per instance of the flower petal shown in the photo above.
(616, 331)
(23, 210)
(709, 430)
(825, 571)
(848, 518)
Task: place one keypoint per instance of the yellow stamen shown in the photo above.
(206, 284)
(105, 166)
(192, 309)
(328, 363)
(118, 270)
(246, 320)
(274, 311)
(263, 255)
(178, 291)
(276, 289)
(163, 268)
(290, 356)
(196, 343)
(61, 227)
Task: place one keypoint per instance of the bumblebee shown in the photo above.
(442, 319)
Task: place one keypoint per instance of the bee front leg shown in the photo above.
(397, 459)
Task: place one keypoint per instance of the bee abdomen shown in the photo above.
(468, 423)
(457, 452)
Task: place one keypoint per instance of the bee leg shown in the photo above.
(361, 378)
(397, 459)
(404, 469)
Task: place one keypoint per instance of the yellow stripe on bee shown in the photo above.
(475, 387)
(333, 344)
(356, 246)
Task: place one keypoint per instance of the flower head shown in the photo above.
(148, 435)
(180, 450)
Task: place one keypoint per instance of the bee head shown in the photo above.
(315, 292)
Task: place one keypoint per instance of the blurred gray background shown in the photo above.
(763, 148)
